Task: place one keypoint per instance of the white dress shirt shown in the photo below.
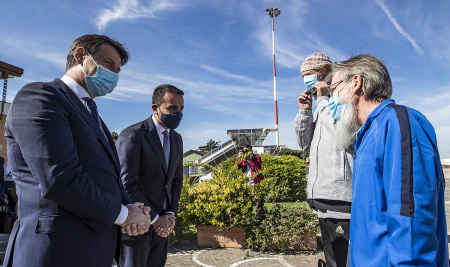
(80, 93)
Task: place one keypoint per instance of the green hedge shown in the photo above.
(298, 153)
(286, 177)
(281, 227)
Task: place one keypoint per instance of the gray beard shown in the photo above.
(346, 127)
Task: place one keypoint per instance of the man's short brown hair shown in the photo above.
(91, 43)
(160, 91)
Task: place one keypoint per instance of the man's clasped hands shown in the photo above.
(138, 221)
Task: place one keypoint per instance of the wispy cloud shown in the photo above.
(295, 42)
(58, 59)
(399, 28)
(137, 86)
(133, 9)
(227, 74)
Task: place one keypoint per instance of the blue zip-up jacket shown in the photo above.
(398, 213)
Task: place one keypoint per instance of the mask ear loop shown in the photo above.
(355, 92)
(92, 60)
(157, 113)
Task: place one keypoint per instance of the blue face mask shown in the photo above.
(171, 121)
(310, 81)
(103, 82)
(335, 107)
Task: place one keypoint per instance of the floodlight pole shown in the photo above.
(274, 12)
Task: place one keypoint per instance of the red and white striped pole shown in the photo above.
(274, 12)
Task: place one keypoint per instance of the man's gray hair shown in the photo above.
(376, 82)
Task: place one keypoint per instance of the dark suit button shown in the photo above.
(162, 203)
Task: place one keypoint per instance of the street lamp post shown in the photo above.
(274, 12)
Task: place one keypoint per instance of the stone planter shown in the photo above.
(309, 243)
(210, 236)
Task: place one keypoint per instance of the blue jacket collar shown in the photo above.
(369, 120)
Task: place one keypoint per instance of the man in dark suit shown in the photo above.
(151, 159)
(65, 165)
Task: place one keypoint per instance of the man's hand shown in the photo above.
(164, 225)
(138, 220)
(304, 101)
(172, 225)
(322, 89)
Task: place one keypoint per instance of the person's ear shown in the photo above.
(357, 84)
(79, 55)
(154, 108)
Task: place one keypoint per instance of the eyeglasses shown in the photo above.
(332, 87)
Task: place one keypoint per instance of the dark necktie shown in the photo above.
(93, 108)
(166, 147)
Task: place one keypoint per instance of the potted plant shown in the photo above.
(220, 208)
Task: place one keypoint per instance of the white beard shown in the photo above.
(346, 127)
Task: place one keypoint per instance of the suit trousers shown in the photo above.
(151, 251)
(335, 238)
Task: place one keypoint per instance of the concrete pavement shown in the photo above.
(186, 253)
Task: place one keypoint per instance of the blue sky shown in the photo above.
(220, 54)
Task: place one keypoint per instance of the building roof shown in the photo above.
(9, 71)
(201, 153)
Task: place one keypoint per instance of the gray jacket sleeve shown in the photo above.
(304, 128)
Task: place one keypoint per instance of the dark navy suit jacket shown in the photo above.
(2, 182)
(67, 179)
(144, 172)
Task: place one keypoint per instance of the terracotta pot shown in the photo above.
(309, 243)
(210, 236)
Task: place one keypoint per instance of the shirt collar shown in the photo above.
(379, 108)
(370, 118)
(158, 126)
(75, 87)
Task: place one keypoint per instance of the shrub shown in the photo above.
(298, 153)
(224, 201)
(281, 226)
(183, 224)
(288, 181)
(285, 175)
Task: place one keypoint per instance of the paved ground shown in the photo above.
(186, 253)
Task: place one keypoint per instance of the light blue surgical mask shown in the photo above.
(310, 81)
(335, 107)
(103, 82)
